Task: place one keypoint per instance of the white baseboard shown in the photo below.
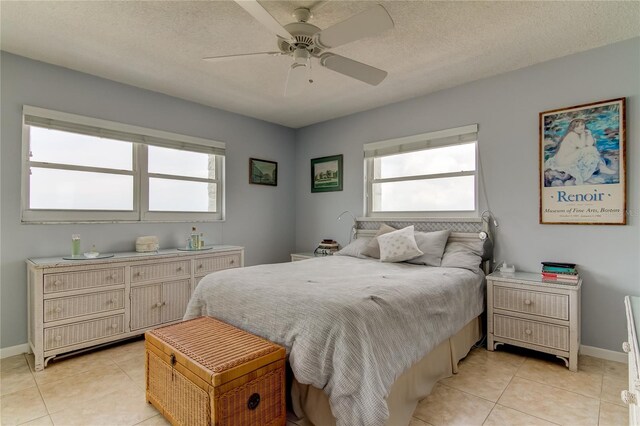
(14, 350)
(604, 354)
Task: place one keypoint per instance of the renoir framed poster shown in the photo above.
(326, 174)
(582, 164)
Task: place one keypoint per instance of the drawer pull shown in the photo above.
(139, 274)
(114, 325)
(200, 266)
(528, 331)
(628, 397)
(179, 269)
(112, 277)
(57, 310)
(232, 261)
(626, 347)
(254, 401)
(112, 301)
(58, 338)
(56, 283)
(527, 302)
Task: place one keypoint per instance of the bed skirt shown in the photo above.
(413, 385)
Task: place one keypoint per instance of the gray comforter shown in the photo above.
(351, 326)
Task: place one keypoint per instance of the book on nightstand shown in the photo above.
(561, 273)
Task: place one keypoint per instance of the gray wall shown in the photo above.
(258, 217)
(506, 108)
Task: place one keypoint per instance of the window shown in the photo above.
(433, 173)
(79, 169)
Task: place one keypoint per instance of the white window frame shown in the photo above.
(442, 138)
(140, 212)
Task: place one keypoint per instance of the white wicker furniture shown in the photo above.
(77, 304)
(522, 310)
(631, 397)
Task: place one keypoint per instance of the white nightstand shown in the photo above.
(523, 310)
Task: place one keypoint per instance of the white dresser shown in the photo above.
(77, 304)
(632, 396)
(522, 310)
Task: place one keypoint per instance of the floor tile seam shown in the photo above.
(74, 374)
(528, 414)
(87, 402)
(563, 389)
(465, 392)
(423, 421)
(37, 418)
(46, 407)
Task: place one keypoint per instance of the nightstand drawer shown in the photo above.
(537, 333)
(531, 302)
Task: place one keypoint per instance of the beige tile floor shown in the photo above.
(106, 387)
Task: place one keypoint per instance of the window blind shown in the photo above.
(435, 139)
(56, 120)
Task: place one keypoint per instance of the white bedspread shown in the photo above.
(351, 326)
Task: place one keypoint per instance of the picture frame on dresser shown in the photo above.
(582, 161)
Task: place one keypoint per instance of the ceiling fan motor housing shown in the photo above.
(302, 33)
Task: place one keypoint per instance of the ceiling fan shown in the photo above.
(303, 41)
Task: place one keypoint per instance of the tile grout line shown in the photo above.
(505, 388)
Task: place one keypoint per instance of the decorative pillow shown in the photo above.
(432, 244)
(373, 248)
(355, 248)
(465, 255)
(398, 246)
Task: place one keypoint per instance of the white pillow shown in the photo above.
(355, 248)
(398, 246)
(432, 244)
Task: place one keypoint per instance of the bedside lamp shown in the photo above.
(352, 231)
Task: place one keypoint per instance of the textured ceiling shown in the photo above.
(158, 45)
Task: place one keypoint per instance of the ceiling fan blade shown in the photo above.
(241, 55)
(261, 15)
(358, 70)
(296, 80)
(368, 23)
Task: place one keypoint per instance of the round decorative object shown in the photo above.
(254, 401)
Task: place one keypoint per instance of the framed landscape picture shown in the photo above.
(326, 174)
(263, 172)
(583, 164)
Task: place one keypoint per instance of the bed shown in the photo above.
(366, 339)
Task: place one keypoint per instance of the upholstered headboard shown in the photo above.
(462, 229)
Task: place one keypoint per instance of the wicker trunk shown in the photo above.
(206, 372)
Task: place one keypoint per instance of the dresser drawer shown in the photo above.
(537, 333)
(206, 265)
(75, 306)
(163, 271)
(531, 302)
(72, 334)
(54, 283)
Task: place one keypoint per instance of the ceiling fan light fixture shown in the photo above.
(301, 56)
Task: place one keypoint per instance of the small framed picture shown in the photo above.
(326, 174)
(263, 172)
(583, 164)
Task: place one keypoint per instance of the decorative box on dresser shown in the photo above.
(523, 310)
(631, 397)
(78, 304)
